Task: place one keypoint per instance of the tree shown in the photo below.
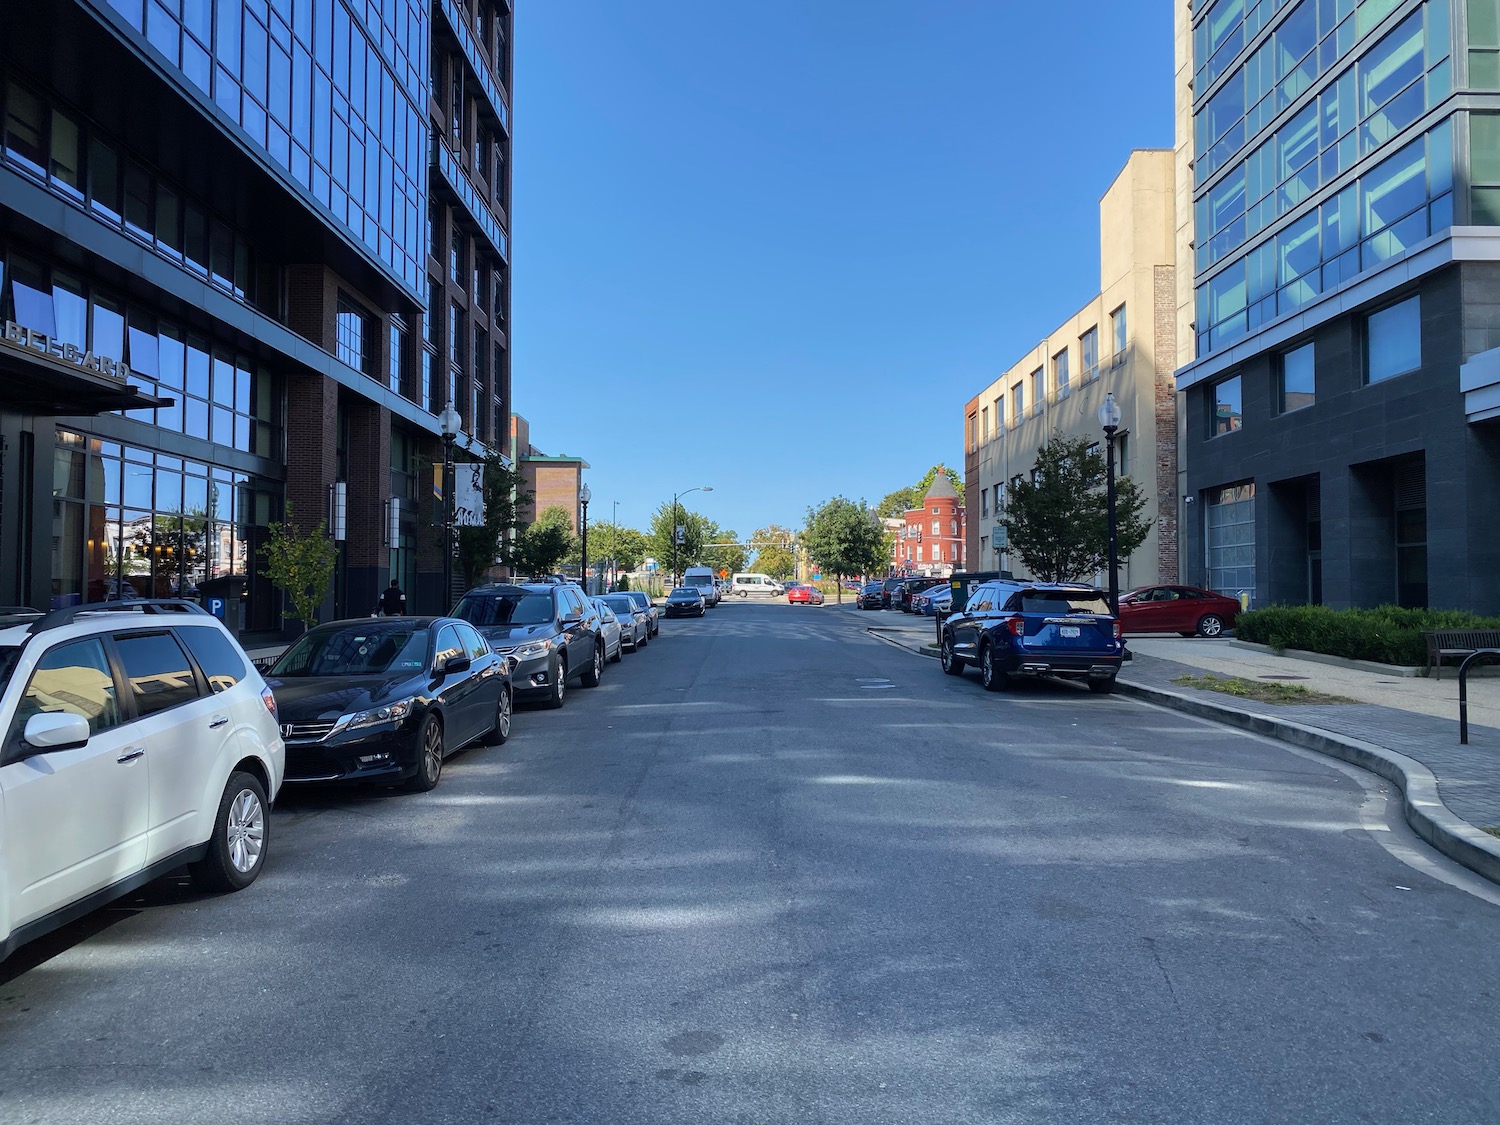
(695, 535)
(773, 552)
(480, 548)
(543, 546)
(1058, 522)
(844, 538)
(723, 551)
(301, 565)
(624, 545)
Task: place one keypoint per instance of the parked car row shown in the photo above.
(140, 738)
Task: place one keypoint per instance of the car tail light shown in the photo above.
(1017, 626)
(1119, 629)
(269, 700)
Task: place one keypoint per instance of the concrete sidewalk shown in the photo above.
(1400, 726)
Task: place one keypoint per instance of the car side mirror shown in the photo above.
(56, 730)
(572, 619)
(455, 664)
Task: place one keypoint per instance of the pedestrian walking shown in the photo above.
(393, 601)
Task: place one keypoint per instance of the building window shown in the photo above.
(984, 414)
(937, 527)
(1226, 407)
(1000, 416)
(1122, 463)
(457, 329)
(1296, 385)
(1118, 333)
(973, 431)
(456, 257)
(1393, 340)
(353, 335)
(398, 355)
(1018, 396)
(1038, 390)
(1060, 373)
(1088, 355)
(1229, 540)
(984, 502)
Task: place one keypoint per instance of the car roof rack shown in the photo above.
(67, 615)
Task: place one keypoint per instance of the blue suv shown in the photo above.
(1010, 628)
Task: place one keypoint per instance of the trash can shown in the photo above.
(225, 599)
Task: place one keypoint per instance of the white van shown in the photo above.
(703, 578)
(746, 584)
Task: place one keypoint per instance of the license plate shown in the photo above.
(1068, 630)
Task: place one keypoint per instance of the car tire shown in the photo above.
(504, 710)
(644, 641)
(952, 663)
(429, 757)
(993, 678)
(559, 684)
(619, 653)
(1102, 687)
(242, 831)
(1210, 625)
(595, 671)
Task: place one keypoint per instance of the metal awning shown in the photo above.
(34, 383)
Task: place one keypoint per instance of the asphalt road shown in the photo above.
(774, 870)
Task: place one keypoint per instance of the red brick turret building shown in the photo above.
(931, 541)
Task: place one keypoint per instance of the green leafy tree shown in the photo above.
(625, 545)
(1058, 523)
(301, 565)
(480, 548)
(773, 552)
(844, 538)
(931, 475)
(543, 546)
(695, 535)
(723, 550)
(898, 503)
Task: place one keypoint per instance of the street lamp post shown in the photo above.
(614, 546)
(1109, 418)
(675, 497)
(585, 496)
(449, 423)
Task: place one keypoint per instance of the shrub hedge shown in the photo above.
(1386, 634)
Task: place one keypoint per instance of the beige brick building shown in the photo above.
(1124, 340)
(553, 480)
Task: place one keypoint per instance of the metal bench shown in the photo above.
(1456, 643)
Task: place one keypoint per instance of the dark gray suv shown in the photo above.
(551, 628)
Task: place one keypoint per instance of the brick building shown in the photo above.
(552, 480)
(930, 540)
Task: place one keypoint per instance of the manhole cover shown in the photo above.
(1273, 676)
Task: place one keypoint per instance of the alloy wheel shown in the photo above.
(502, 717)
(432, 753)
(1211, 625)
(246, 831)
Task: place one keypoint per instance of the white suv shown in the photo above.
(137, 738)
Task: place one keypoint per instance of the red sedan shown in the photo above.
(798, 594)
(1177, 609)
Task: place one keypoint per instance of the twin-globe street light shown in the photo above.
(1109, 418)
(675, 497)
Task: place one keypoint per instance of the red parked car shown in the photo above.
(798, 594)
(1177, 609)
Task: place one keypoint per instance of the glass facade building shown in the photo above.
(1344, 160)
(225, 232)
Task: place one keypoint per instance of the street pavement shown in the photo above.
(1403, 727)
(777, 870)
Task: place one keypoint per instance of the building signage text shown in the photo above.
(26, 339)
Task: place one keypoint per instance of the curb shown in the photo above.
(1398, 670)
(1422, 805)
(900, 642)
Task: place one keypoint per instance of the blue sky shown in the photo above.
(774, 248)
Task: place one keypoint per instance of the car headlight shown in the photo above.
(375, 716)
(531, 649)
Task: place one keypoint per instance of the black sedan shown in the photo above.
(686, 601)
(871, 596)
(385, 700)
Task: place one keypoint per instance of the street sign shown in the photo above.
(723, 574)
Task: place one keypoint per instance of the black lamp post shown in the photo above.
(449, 423)
(1109, 418)
(675, 497)
(584, 495)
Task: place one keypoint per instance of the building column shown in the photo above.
(367, 517)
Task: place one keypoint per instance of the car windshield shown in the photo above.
(619, 603)
(356, 650)
(684, 592)
(514, 608)
(1062, 603)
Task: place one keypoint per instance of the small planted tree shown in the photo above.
(1058, 522)
(844, 538)
(301, 565)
